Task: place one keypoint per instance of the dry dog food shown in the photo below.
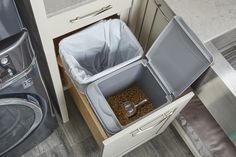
(132, 94)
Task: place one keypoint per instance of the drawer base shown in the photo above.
(88, 115)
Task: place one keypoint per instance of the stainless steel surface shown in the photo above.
(217, 88)
(131, 108)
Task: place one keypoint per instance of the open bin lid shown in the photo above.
(178, 57)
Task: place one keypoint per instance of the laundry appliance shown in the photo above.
(26, 113)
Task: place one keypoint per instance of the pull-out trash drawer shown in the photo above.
(176, 59)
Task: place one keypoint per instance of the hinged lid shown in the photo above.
(178, 57)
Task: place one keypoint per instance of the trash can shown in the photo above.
(98, 50)
(175, 60)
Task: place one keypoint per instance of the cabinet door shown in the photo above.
(136, 16)
(159, 23)
(157, 16)
(143, 130)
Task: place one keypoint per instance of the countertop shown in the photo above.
(207, 18)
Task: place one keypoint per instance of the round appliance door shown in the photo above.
(18, 118)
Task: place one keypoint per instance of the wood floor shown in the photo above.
(73, 139)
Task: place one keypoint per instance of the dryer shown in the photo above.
(26, 113)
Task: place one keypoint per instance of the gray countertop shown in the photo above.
(207, 18)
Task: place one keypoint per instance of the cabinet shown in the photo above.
(55, 18)
(54, 21)
(143, 130)
(156, 17)
(132, 136)
(136, 15)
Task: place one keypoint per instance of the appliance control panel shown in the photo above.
(7, 69)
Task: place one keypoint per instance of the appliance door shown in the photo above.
(19, 116)
(16, 58)
(10, 22)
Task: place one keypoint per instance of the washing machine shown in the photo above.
(26, 113)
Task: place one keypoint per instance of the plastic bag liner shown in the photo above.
(98, 50)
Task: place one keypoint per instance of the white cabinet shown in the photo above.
(55, 18)
(157, 15)
(54, 21)
(143, 130)
(136, 16)
(135, 134)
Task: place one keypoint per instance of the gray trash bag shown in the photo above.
(98, 50)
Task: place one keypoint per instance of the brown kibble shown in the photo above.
(133, 94)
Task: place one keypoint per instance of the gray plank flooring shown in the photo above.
(73, 139)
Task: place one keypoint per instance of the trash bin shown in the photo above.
(98, 50)
(175, 60)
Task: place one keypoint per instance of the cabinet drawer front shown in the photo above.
(143, 130)
(149, 128)
(84, 15)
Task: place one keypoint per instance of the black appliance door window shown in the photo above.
(18, 118)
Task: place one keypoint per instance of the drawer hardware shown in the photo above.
(90, 15)
(143, 129)
(168, 114)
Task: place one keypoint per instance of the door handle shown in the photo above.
(90, 15)
(168, 114)
(142, 130)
